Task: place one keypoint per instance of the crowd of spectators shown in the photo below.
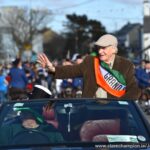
(142, 73)
(17, 79)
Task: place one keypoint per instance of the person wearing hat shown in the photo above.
(30, 130)
(106, 75)
(18, 81)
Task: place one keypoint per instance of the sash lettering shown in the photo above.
(110, 80)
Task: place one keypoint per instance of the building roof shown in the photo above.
(127, 28)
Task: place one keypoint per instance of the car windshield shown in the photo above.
(71, 121)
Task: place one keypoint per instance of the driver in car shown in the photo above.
(30, 123)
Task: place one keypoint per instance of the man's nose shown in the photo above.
(101, 50)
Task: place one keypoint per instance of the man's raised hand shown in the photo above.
(45, 62)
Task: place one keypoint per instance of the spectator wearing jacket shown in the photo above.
(19, 81)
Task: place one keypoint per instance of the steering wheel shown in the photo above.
(30, 137)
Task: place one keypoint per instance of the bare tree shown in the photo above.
(25, 24)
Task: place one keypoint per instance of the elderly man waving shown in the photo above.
(105, 76)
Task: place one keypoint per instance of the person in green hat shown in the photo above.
(31, 130)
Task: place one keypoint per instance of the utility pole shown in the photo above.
(146, 30)
(76, 42)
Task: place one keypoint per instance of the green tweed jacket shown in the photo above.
(86, 70)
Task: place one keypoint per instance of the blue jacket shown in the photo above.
(18, 78)
(78, 83)
(143, 77)
(3, 86)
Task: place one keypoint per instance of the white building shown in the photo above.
(37, 47)
(8, 47)
(146, 30)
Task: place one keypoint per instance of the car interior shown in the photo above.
(75, 121)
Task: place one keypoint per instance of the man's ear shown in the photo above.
(115, 50)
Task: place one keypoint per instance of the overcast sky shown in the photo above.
(113, 14)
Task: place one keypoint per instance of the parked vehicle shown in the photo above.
(76, 124)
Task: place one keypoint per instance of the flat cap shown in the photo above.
(107, 40)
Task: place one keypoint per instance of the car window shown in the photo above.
(71, 121)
